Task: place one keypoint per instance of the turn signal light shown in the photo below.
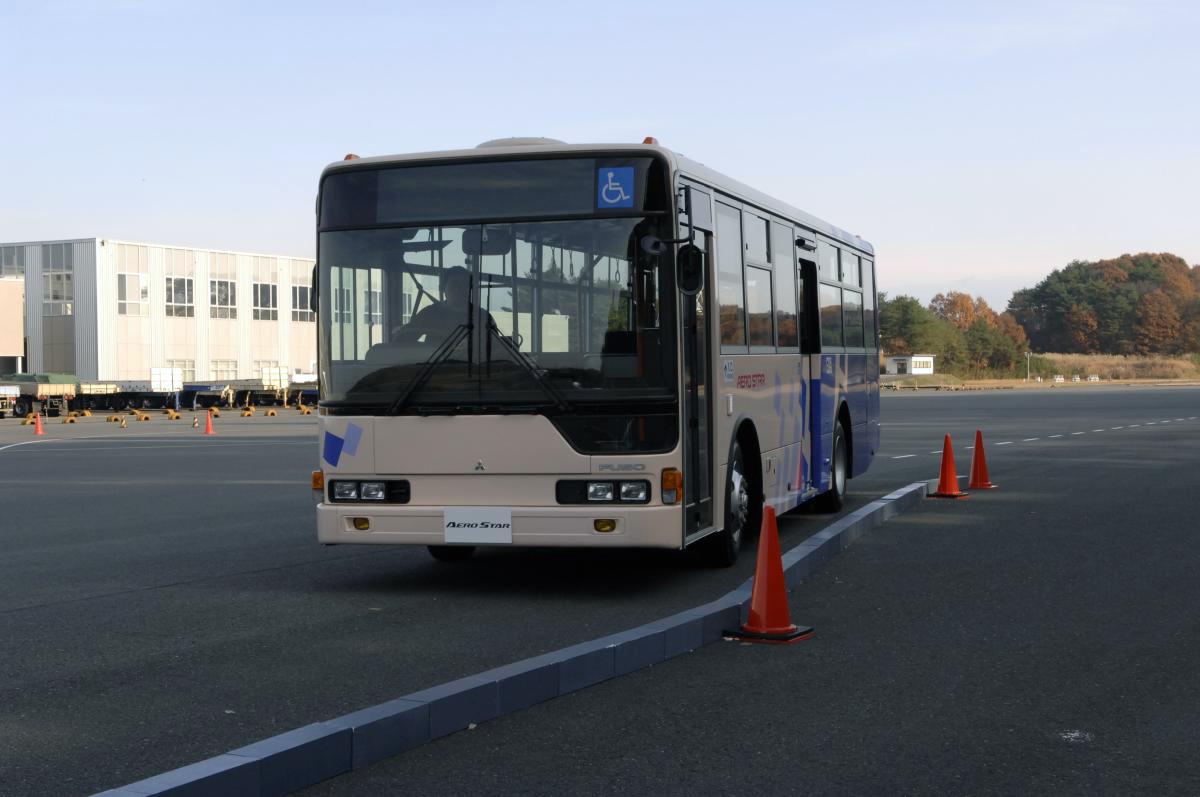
(604, 525)
(318, 480)
(362, 524)
(672, 486)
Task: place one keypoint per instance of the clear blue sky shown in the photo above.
(977, 145)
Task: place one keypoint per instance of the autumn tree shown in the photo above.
(1158, 325)
(960, 309)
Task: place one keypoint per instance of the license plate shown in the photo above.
(473, 525)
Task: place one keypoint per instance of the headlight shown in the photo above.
(600, 491)
(372, 491)
(345, 491)
(634, 491)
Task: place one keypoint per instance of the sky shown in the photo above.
(977, 145)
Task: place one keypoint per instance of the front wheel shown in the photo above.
(743, 505)
(452, 553)
(835, 497)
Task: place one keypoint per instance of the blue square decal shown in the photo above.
(614, 187)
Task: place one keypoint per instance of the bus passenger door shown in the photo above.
(697, 409)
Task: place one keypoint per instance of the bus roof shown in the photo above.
(686, 166)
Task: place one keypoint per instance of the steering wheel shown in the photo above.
(411, 333)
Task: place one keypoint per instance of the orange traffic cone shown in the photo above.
(37, 425)
(979, 473)
(770, 620)
(208, 425)
(948, 483)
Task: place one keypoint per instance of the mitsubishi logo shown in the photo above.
(480, 466)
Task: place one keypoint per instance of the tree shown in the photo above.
(1158, 325)
(1006, 325)
(960, 309)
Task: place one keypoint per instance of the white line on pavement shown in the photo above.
(1030, 439)
(1179, 419)
(1075, 433)
(1005, 443)
(1114, 428)
(1097, 430)
(904, 456)
(1134, 425)
(1055, 435)
(26, 443)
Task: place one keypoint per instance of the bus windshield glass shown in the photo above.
(572, 319)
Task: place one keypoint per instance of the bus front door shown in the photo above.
(696, 406)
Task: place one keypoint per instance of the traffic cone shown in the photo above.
(195, 423)
(979, 471)
(769, 620)
(208, 425)
(38, 431)
(948, 483)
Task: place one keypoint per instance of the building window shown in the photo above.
(300, 299)
(179, 297)
(12, 261)
(262, 365)
(342, 313)
(223, 370)
(266, 302)
(222, 299)
(178, 266)
(373, 312)
(58, 286)
(133, 294)
(187, 369)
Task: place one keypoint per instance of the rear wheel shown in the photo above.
(452, 553)
(835, 497)
(743, 507)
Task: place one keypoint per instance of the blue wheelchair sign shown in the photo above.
(614, 187)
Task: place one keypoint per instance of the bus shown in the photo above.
(532, 343)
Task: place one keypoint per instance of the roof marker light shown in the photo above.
(650, 140)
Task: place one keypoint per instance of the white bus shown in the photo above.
(539, 344)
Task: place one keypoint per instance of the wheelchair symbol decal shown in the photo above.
(614, 187)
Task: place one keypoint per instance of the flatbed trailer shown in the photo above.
(43, 398)
(162, 391)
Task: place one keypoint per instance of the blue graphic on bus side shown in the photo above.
(335, 446)
(614, 187)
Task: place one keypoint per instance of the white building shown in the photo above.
(112, 310)
(916, 364)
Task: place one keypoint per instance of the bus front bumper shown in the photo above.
(645, 526)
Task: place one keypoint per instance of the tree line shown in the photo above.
(1133, 304)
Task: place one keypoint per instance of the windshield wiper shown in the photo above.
(439, 356)
(530, 368)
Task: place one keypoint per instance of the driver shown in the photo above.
(438, 320)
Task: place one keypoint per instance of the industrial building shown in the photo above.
(111, 310)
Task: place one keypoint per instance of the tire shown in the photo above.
(21, 409)
(452, 553)
(839, 472)
(743, 511)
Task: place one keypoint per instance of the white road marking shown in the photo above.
(1134, 425)
(1075, 433)
(1191, 417)
(26, 443)
(1076, 737)
(936, 452)
(1097, 430)
(1030, 439)
(1179, 419)
(1114, 428)
(1055, 435)
(1005, 443)
(1148, 423)
(904, 456)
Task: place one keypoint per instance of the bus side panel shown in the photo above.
(858, 402)
(832, 376)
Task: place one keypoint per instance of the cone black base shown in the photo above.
(801, 632)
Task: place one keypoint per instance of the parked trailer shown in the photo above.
(202, 395)
(8, 397)
(270, 388)
(162, 391)
(49, 398)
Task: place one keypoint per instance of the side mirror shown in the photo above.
(689, 269)
(312, 293)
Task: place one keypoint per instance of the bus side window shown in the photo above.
(783, 251)
(827, 262)
(731, 299)
(869, 315)
(806, 278)
(831, 315)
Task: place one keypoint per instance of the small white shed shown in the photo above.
(904, 364)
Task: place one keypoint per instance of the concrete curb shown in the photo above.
(303, 757)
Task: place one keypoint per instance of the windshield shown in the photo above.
(571, 319)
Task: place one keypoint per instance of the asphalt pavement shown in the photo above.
(165, 599)
(1039, 639)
